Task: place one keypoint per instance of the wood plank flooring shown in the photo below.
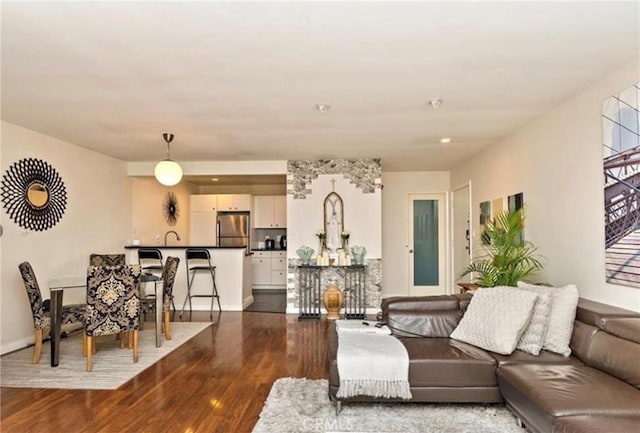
(216, 382)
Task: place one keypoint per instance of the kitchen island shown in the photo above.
(233, 276)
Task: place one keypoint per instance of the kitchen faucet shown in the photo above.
(167, 234)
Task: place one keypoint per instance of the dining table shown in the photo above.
(57, 287)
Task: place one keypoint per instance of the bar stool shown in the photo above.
(199, 259)
(150, 261)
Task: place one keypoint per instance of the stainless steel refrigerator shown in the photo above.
(232, 230)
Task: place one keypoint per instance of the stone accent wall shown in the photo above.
(336, 274)
(361, 172)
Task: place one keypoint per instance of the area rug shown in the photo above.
(112, 366)
(302, 405)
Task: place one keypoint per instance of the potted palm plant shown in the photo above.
(507, 258)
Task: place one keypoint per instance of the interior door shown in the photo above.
(427, 244)
(461, 232)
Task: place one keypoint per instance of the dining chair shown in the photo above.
(72, 315)
(113, 305)
(147, 304)
(107, 260)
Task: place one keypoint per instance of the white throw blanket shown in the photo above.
(371, 362)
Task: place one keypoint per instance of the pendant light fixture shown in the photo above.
(168, 172)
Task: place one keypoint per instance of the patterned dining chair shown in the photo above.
(107, 260)
(148, 304)
(113, 305)
(72, 315)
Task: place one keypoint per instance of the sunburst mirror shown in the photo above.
(171, 209)
(33, 194)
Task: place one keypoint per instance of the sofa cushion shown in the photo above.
(414, 323)
(581, 339)
(496, 318)
(443, 362)
(596, 424)
(533, 337)
(539, 393)
(592, 312)
(627, 328)
(544, 357)
(616, 356)
(563, 312)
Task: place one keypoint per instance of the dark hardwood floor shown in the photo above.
(269, 301)
(216, 382)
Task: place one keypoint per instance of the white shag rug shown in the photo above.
(303, 405)
(112, 366)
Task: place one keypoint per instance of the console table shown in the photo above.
(354, 291)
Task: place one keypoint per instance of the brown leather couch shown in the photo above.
(596, 389)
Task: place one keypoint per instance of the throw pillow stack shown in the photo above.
(528, 317)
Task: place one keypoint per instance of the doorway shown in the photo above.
(461, 231)
(427, 244)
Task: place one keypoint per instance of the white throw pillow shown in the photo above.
(496, 318)
(532, 339)
(564, 302)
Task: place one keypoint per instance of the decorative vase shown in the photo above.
(358, 253)
(305, 253)
(332, 299)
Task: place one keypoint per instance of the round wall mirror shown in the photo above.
(33, 194)
(37, 195)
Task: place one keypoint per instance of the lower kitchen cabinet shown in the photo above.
(269, 270)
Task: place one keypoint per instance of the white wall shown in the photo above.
(147, 217)
(395, 223)
(556, 161)
(361, 215)
(97, 219)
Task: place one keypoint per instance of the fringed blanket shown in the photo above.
(371, 363)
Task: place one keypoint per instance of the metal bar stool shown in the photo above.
(199, 259)
(150, 260)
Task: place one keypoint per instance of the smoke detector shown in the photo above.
(322, 108)
(435, 102)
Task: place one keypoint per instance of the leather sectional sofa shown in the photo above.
(596, 389)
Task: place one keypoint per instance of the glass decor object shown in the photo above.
(305, 253)
(358, 253)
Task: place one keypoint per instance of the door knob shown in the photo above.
(410, 251)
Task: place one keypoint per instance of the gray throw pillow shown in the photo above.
(564, 302)
(532, 339)
(496, 318)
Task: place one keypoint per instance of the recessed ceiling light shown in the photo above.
(215, 179)
(445, 140)
(322, 108)
(435, 102)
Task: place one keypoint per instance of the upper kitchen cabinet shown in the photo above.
(270, 211)
(202, 223)
(204, 202)
(241, 202)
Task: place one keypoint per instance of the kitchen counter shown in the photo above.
(233, 276)
(268, 249)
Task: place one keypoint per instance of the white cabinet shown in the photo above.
(227, 202)
(202, 221)
(270, 211)
(203, 202)
(269, 269)
(261, 265)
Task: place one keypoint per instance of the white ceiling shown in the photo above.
(240, 81)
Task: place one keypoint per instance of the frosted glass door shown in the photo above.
(427, 244)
